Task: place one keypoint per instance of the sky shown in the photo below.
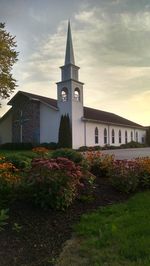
(111, 40)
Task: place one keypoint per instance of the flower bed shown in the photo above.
(99, 164)
(54, 182)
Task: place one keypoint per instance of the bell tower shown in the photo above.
(70, 93)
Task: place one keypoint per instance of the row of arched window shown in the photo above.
(113, 133)
(64, 94)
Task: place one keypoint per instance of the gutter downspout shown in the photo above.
(85, 133)
(108, 136)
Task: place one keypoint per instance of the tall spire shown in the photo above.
(69, 57)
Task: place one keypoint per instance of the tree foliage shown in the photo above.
(8, 56)
(148, 136)
(65, 136)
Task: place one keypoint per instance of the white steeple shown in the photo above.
(69, 57)
(69, 70)
(70, 93)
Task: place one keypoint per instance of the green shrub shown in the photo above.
(148, 136)
(20, 162)
(83, 148)
(145, 180)
(72, 155)
(53, 182)
(3, 218)
(65, 134)
(125, 176)
(144, 171)
(132, 144)
(51, 145)
(16, 146)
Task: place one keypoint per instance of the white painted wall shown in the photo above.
(6, 128)
(90, 134)
(74, 109)
(77, 114)
(49, 124)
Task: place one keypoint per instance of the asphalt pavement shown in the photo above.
(121, 154)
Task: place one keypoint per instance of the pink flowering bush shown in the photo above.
(54, 182)
(125, 175)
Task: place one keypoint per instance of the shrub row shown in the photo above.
(27, 146)
(56, 179)
(126, 175)
(132, 144)
(47, 182)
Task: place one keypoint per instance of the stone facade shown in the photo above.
(30, 121)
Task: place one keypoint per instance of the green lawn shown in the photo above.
(118, 234)
(26, 153)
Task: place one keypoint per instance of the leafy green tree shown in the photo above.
(148, 136)
(8, 56)
(65, 136)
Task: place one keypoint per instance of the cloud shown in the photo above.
(111, 41)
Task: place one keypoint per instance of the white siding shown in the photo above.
(49, 124)
(90, 134)
(6, 129)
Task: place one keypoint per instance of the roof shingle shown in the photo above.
(88, 113)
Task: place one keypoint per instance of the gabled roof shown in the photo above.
(5, 115)
(106, 117)
(48, 101)
(89, 114)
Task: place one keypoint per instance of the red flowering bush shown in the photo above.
(54, 182)
(125, 175)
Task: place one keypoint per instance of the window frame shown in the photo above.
(96, 135)
(113, 136)
(120, 136)
(77, 97)
(105, 136)
(64, 95)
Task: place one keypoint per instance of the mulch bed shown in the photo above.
(43, 233)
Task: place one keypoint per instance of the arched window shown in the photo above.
(131, 135)
(77, 94)
(136, 136)
(119, 136)
(126, 136)
(96, 135)
(105, 136)
(64, 95)
(113, 136)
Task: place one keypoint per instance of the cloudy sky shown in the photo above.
(111, 41)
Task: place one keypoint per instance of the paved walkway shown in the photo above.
(129, 153)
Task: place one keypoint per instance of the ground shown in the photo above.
(42, 234)
(121, 154)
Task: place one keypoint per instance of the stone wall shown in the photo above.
(30, 122)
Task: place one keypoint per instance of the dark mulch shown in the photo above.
(44, 233)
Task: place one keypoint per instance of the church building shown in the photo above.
(36, 119)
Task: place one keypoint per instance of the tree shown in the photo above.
(148, 136)
(8, 56)
(65, 136)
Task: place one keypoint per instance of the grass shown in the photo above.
(24, 153)
(118, 234)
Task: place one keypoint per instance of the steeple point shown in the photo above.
(69, 57)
